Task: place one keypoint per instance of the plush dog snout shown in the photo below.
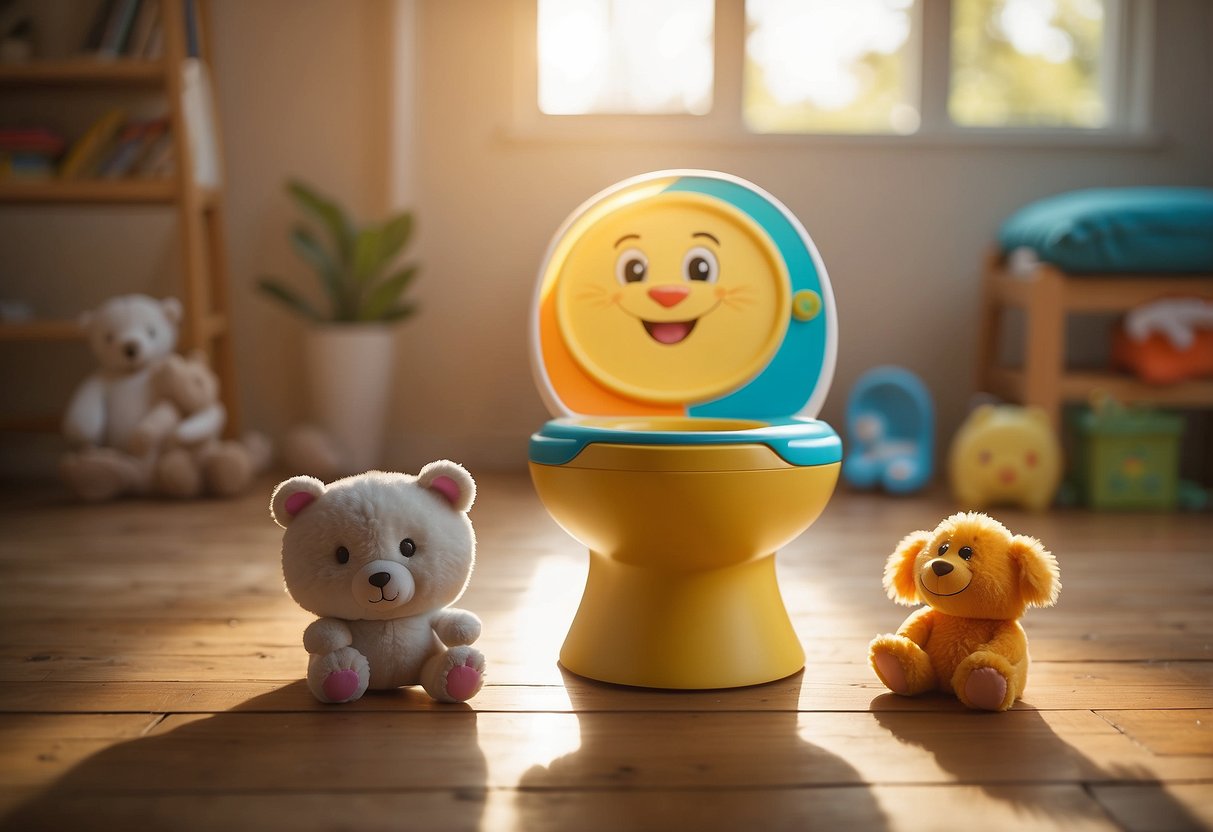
(131, 349)
(379, 579)
(941, 567)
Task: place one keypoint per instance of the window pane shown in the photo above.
(625, 56)
(1028, 63)
(830, 65)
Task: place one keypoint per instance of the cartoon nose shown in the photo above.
(380, 579)
(669, 296)
(941, 567)
(131, 349)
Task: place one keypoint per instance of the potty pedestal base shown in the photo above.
(711, 628)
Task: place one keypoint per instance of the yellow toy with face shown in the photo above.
(673, 299)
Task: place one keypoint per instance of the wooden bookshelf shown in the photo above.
(103, 191)
(83, 72)
(198, 207)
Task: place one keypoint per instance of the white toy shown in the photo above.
(380, 556)
(129, 335)
(184, 429)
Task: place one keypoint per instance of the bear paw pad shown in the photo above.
(341, 685)
(986, 688)
(462, 681)
(892, 673)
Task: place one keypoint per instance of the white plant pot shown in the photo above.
(349, 370)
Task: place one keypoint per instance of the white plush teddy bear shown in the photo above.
(380, 556)
(129, 335)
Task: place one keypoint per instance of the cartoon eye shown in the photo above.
(407, 547)
(109, 337)
(632, 266)
(966, 552)
(944, 549)
(151, 332)
(984, 457)
(1030, 459)
(343, 554)
(700, 264)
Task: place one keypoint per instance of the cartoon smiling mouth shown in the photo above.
(669, 332)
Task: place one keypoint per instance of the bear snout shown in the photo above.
(941, 567)
(131, 349)
(383, 585)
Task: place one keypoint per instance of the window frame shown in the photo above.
(1128, 38)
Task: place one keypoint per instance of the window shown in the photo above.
(1030, 63)
(825, 66)
(845, 66)
(625, 56)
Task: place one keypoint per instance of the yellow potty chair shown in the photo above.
(684, 336)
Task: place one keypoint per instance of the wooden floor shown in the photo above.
(150, 667)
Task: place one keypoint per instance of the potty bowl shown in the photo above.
(683, 334)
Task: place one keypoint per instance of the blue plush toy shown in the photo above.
(890, 424)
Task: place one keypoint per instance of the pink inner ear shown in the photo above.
(447, 488)
(298, 501)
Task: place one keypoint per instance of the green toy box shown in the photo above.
(1126, 457)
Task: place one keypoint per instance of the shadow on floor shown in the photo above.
(279, 761)
(693, 763)
(1032, 764)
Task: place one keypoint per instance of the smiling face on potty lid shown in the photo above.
(683, 293)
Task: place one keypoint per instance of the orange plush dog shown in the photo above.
(976, 579)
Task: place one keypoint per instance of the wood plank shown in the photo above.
(458, 748)
(1153, 807)
(1186, 731)
(893, 808)
(83, 71)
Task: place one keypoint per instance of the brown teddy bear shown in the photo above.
(185, 425)
(977, 579)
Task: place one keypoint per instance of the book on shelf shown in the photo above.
(29, 152)
(134, 29)
(133, 146)
(118, 29)
(86, 152)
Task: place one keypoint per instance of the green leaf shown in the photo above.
(368, 261)
(315, 255)
(381, 299)
(396, 233)
(399, 313)
(276, 290)
(329, 213)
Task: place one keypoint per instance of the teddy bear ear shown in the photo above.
(451, 481)
(172, 309)
(293, 496)
(1039, 576)
(899, 578)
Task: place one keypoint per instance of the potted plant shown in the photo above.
(350, 335)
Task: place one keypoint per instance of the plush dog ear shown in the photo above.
(1039, 576)
(173, 310)
(451, 481)
(293, 496)
(899, 580)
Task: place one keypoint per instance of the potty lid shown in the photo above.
(683, 293)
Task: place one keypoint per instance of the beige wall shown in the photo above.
(306, 88)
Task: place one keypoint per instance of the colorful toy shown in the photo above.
(1126, 458)
(684, 333)
(890, 431)
(184, 428)
(129, 336)
(380, 556)
(1005, 455)
(976, 580)
(1167, 341)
